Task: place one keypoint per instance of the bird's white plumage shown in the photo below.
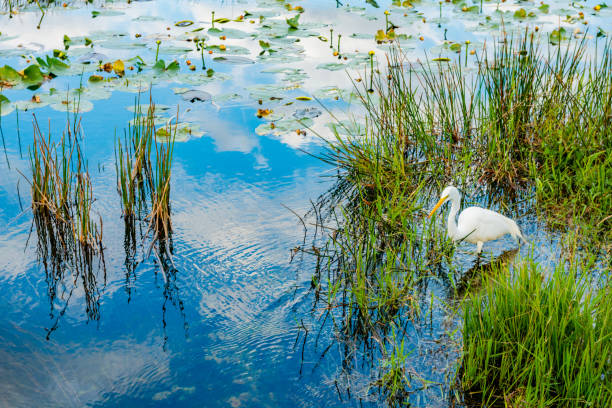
(475, 224)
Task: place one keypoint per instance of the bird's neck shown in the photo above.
(452, 223)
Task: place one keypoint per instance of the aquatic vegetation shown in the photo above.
(159, 183)
(511, 124)
(143, 163)
(374, 254)
(69, 237)
(433, 123)
(536, 340)
(132, 161)
(387, 283)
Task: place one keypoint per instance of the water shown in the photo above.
(224, 330)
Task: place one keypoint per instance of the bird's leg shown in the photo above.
(479, 247)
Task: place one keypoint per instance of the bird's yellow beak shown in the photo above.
(442, 200)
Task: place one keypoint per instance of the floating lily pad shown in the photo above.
(311, 113)
(174, 50)
(266, 91)
(201, 78)
(228, 97)
(72, 105)
(120, 44)
(92, 58)
(25, 106)
(233, 59)
(144, 108)
(106, 13)
(183, 23)
(332, 66)
(230, 33)
(229, 50)
(148, 18)
(195, 95)
(284, 126)
(6, 108)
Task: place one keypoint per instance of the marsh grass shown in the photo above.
(529, 120)
(69, 235)
(528, 126)
(538, 341)
(143, 163)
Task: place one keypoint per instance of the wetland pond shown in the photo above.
(250, 89)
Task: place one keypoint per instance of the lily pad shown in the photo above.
(284, 126)
(92, 58)
(6, 108)
(183, 23)
(229, 33)
(33, 77)
(9, 74)
(72, 105)
(307, 113)
(195, 95)
(233, 59)
(331, 66)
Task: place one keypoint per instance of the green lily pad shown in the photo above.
(294, 21)
(229, 33)
(9, 74)
(148, 18)
(332, 66)
(106, 13)
(195, 95)
(234, 59)
(6, 108)
(33, 77)
(283, 126)
(72, 105)
(201, 78)
(183, 23)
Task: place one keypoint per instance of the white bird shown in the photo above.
(476, 225)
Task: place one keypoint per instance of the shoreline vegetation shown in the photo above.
(527, 130)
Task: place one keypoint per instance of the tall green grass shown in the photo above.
(538, 341)
(143, 163)
(529, 122)
(69, 235)
(530, 119)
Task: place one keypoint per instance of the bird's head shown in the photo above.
(449, 193)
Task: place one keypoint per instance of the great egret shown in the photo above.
(476, 225)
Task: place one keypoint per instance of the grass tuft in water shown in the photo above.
(143, 162)
(69, 237)
(537, 341)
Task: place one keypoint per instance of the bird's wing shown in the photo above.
(480, 224)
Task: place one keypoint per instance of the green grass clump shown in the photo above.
(537, 341)
(527, 121)
(133, 161)
(69, 236)
(143, 162)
